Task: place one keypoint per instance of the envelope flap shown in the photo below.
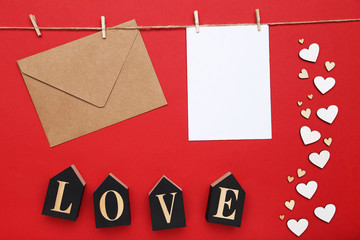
(86, 68)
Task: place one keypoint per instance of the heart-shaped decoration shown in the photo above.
(325, 214)
(306, 113)
(290, 178)
(281, 217)
(328, 115)
(301, 172)
(299, 103)
(328, 141)
(324, 85)
(290, 204)
(309, 136)
(329, 66)
(303, 74)
(310, 54)
(301, 41)
(320, 159)
(307, 190)
(297, 227)
(310, 96)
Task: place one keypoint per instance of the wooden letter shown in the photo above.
(166, 205)
(164, 208)
(120, 205)
(222, 202)
(226, 201)
(111, 203)
(64, 194)
(59, 197)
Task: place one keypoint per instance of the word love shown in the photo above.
(112, 205)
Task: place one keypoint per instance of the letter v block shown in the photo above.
(111, 203)
(64, 194)
(166, 205)
(226, 201)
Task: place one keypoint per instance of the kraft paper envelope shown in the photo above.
(91, 83)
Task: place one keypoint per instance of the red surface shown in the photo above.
(139, 151)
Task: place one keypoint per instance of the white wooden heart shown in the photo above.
(307, 190)
(297, 227)
(321, 159)
(310, 54)
(324, 85)
(309, 136)
(328, 115)
(325, 214)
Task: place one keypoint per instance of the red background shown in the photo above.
(140, 150)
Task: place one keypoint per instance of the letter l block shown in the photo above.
(64, 194)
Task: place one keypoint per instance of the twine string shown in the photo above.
(176, 26)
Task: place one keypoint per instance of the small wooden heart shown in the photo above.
(303, 74)
(301, 41)
(306, 113)
(328, 141)
(329, 66)
(301, 172)
(310, 96)
(290, 204)
(290, 178)
(281, 217)
(299, 103)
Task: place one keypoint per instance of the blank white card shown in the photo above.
(228, 83)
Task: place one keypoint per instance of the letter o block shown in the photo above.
(111, 203)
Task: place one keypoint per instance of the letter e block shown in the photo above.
(226, 201)
(111, 203)
(166, 205)
(64, 194)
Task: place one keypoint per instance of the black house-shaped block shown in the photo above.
(64, 194)
(166, 205)
(226, 201)
(111, 203)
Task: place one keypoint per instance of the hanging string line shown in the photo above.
(176, 26)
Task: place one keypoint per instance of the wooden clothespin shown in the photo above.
(34, 23)
(197, 23)
(103, 27)
(257, 12)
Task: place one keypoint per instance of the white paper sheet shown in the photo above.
(228, 83)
